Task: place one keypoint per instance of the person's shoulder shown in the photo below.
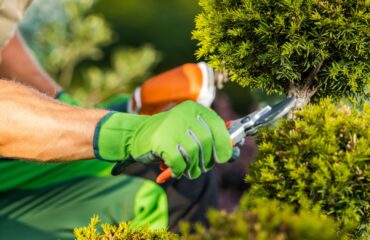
(11, 13)
(13, 9)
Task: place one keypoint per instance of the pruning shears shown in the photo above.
(238, 130)
(249, 125)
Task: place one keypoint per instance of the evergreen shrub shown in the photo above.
(256, 218)
(297, 47)
(318, 160)
(264, 219)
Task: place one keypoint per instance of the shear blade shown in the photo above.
(277, 111)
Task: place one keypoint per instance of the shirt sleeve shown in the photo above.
(11, 13)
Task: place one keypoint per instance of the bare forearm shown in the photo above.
(19, 65)
(33, 126)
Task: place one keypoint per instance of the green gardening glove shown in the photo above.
(189, 138)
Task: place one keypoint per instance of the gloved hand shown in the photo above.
(189, 138)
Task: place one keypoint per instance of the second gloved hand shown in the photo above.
(189, 139)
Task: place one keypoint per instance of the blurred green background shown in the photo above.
(166, 24)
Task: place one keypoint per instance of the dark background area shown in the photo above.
(166, 24)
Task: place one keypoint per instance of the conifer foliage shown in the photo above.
(320, 160)
(122, 231)
(297, 47)
(262, 219)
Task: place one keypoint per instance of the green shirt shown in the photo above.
(16, 174)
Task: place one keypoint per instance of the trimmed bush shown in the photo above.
(319, 160)
(297, 47)
(264, 219)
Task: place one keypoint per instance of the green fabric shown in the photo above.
(117, 103)
(66, 98)
(52, 212)
(189, 138)
(16, 174)
(111, 103)
(151, 207)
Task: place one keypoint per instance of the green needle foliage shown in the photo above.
(264, 220)
(319, 160)
(297, 47)
(122, 231)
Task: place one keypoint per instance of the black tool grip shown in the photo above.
(120, 166)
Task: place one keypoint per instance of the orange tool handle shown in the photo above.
(165, 175)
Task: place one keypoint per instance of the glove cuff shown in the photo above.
(112, 135)
(66, 98)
